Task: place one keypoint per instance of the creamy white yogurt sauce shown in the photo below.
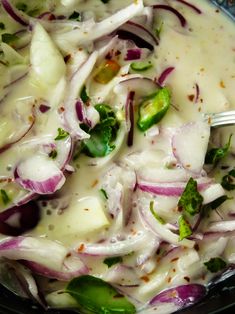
(78, 215)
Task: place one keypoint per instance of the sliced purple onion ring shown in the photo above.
(164, 75)
(72, 267)
(181, 296)
(180, 17)
(14, 13)
(18, 219)
(130, 117)
(133, 54)
(169, 189)
(40, 175)
(190, 5)
(113, 247)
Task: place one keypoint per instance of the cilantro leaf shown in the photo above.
(2, 26)
(104, 193)
(22, 6)
(228, 181)
(98, 145)
(9, 38)
(110, 261)
(84, 97)
(215, 264)
(101, 139)
(94, 295)
(61, 134)
(4, 196)
(184, 228)
(75, 16)
(191, 200)
(216, 154)
(158, 218)
(53, 154)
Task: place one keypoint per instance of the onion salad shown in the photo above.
(116, 195)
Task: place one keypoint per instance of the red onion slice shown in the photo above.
(113, 247)
(39, 175)
(18, 219)
(133, 54)
(169, 189)
(180, 17)
(72, 267)
(130, 117)
(35, 250)
(160, 230)
(14, 13)
(190, 5)
(181, 296)
(142, 86)
(163, 76)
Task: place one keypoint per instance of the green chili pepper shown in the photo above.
(153, 108)
(141, 65)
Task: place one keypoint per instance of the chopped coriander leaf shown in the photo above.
(141, 66)
(191, 200)
(94, 295)
(2, 25)
(104, 193)
(22, 6)
(53, 154)
(61, 134)
(184, 228)
(9, 38)
(84, 97)
(158, 218)
(214, 155)
(215, 264)
(228, 181)
(104, 111)
(101, 139)
(75, 16)
(4, 196)
(110, 261)
(99, 143)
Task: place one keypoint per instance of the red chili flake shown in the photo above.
(187, 278)
(81, 248)
(61, 109)
(188, 166)
(191, 97)
(145, 278)
(175, 259)
(86, 209)
(203, 277)
(94, 183)
(179, 208)
(67, 58)
(117, 53)
(169, 280)
(196, 247)
(174, 270)
(222, 84)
